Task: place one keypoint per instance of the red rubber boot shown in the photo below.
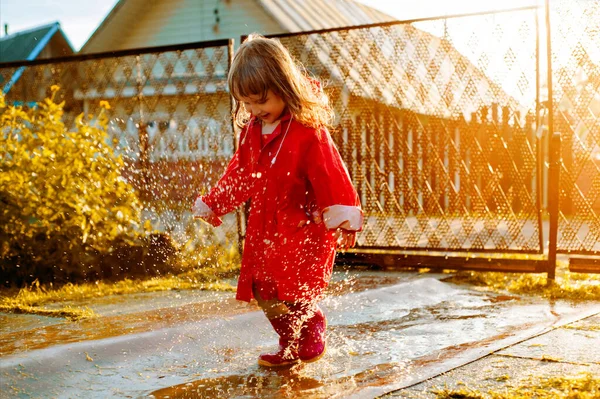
(312, 344)
(287, 354)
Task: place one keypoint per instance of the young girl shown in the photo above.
(302, 202)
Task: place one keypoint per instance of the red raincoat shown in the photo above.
(286, 242)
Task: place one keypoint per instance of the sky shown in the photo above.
(80, 18)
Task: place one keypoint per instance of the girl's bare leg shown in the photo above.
(273, 307)
(285, 324)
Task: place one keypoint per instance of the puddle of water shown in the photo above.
(286, 383)
(114, 305)
(12, 323)
(61, 332)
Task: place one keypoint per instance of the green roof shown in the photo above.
(26, 45)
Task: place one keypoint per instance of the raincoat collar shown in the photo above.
(251, 144)
(287, 116)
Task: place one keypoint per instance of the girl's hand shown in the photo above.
(345, 239)
(201, 210)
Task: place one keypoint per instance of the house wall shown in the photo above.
(175, 132)
(179, 21)
(57, 47)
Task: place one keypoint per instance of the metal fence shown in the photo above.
(575, 56)
(436, 120)
(446, 126)
(169, 117)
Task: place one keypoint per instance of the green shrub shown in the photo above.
(66, 212)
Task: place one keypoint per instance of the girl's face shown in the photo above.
(268, 109)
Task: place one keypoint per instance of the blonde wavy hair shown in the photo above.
(262, 64)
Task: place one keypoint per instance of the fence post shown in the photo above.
(241, 212)
(553, 201)
(145, 160)
(553, 156)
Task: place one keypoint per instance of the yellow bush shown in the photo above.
(63, 200)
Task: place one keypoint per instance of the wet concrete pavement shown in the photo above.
(387, 331)
(568, 351)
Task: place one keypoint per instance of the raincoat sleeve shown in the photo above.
(232, 190)
(338, 205)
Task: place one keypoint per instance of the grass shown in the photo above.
(583, 386)
(31, 299)
(586, 328)
(68, 312)
(567, 285)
